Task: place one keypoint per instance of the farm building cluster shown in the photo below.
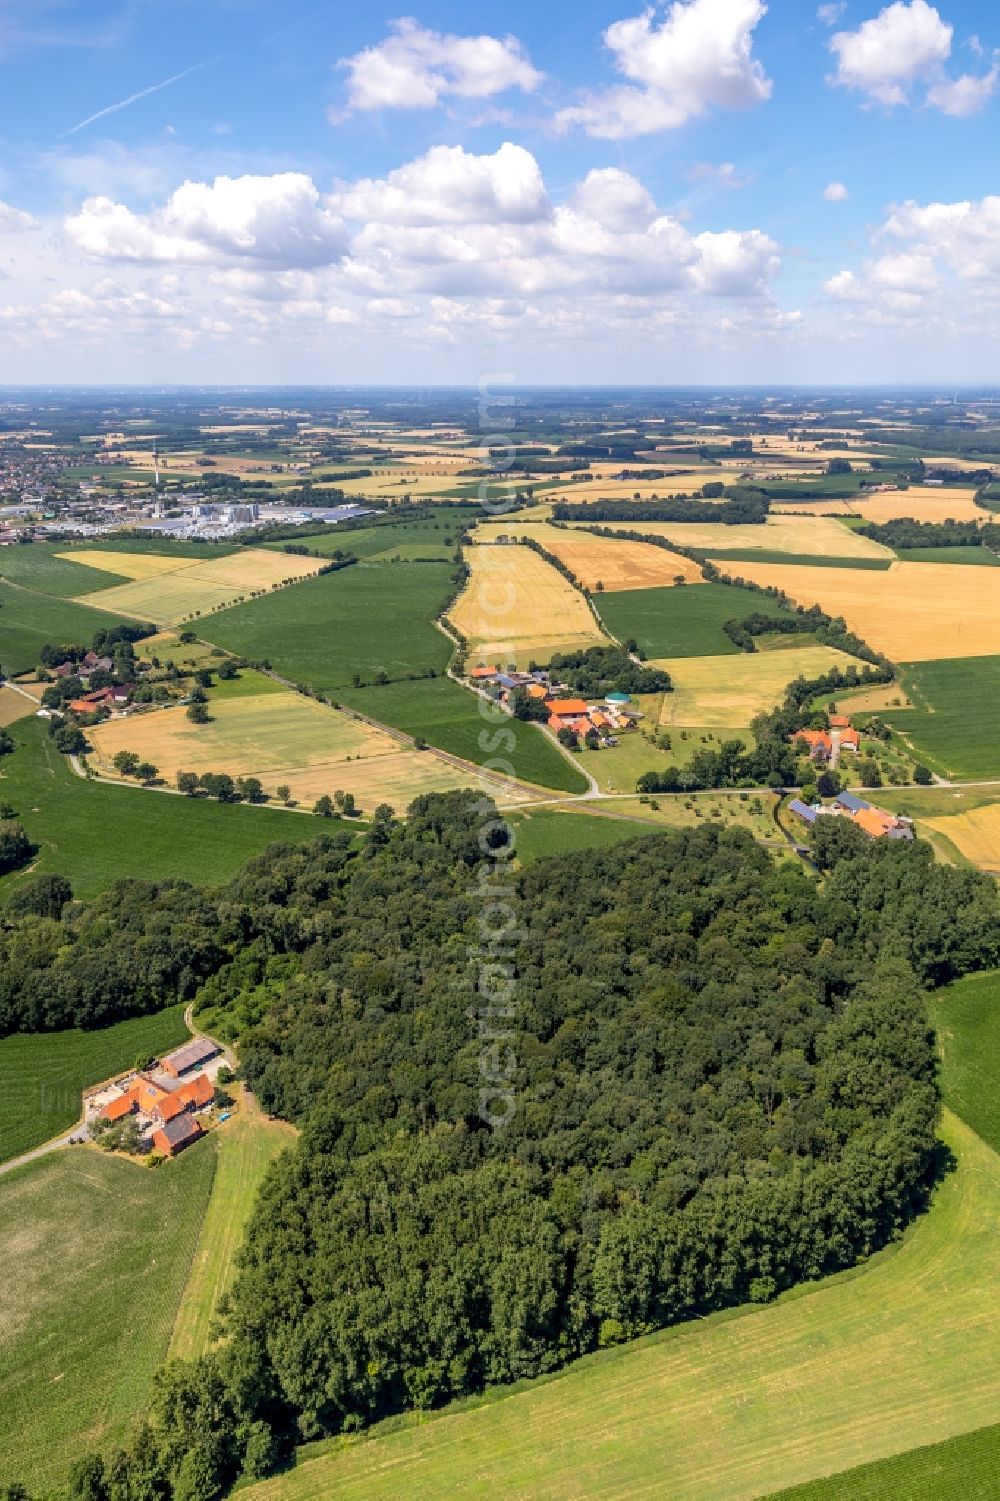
(110, 696)
(607, 717)
(875, 822)
(165, 1100)
(825, 746)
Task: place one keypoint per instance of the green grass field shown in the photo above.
(954, 725)
(39, 567)
(429, 537)
(42, 1074)
(448, 716)
(966, 1468)
(96, 1253)
(980, 557)
(681, 622)
(808, 560)
(246, 1146)
(547, 831)
(901, 1352)
(28, 621)
(95, 834)
(966, 1017)
(364, 619)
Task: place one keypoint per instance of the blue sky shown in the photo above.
(704, 190)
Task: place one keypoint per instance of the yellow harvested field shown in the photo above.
(627, 489)
(130, 565)
(13, 706)
(807, 536)
(812, 508)
(516, 607)
(921, 503)
(281, 738)
(913, 612)
(202, 587)
(975, 833)
(606, 560)
(718, 692)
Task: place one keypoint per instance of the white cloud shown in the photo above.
(449, 185)
(835, 192)
(278, 219)
(414, 68)
(830, 14)
(14, 220)
(965, 95)
(614, 199)
(735, 263)
(905, 45)
(698, 56)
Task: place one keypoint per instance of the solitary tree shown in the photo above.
(187, 781)
(284, 793)
(324, 806)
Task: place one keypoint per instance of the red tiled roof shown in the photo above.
(566, 706)
(198, 1091)
(116, 1110)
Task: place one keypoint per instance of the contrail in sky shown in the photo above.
(154, 88)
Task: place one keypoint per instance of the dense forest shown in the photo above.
(905, 532)
(718, 1070)
(745, 506)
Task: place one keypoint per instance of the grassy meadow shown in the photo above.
(42, 1074)
(966, 1017)
(95, 834)
(96, 1253)
(683, 622)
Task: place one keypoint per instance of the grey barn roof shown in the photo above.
(198, 1050)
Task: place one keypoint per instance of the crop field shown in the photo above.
(428, 537)
(361, 620)
(681, 622)
(562, 831)
(281, 737)
(29, 621)
(95, 834)
(13, 706)
(608, 561)
(902, 1352)
(954, 722)
(517, 607)
(42, 1074)
(246, 1146)
(721, 691)
(131, 566)
(976, 833)
(449, 717)
(805, 536)
(95, 1252)
(913, 612)
(920, 503)
(189, 587)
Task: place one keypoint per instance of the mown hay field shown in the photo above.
(726, 690)
(13, 706)
(190, 588)
(603, 560)
(902, 1352)
(803, 536)
(975, 833)
(247, 1145)
(95, 1252)
(516, 607)
(283, 738)
(915, 612)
